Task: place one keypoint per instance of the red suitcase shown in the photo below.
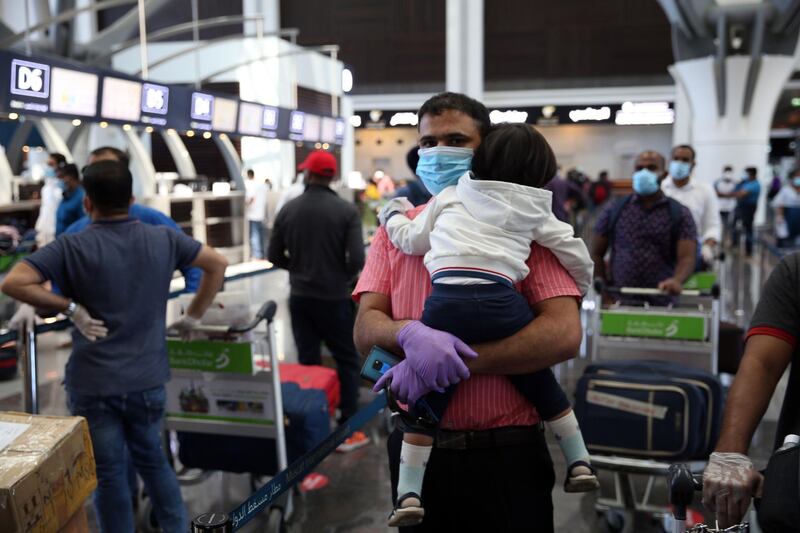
(314, 377)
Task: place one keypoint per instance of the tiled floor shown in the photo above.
(357, 497)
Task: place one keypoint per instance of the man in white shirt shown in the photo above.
(726, 184)
(787, 211)
(294, 190)
(699, 197)
(256, 212)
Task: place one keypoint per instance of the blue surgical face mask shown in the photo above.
(49, 172)
(679, 170)
(62, 185)
(441, 166)
(796, 181)
(645, 182)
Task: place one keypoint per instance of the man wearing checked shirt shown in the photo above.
(490, 469)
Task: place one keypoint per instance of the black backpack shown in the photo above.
(675, 212)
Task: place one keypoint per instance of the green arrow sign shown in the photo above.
(211, 356)
(657, 326)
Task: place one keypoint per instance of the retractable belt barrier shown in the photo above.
(284, 480)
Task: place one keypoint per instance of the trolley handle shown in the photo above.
(647, 291)
(266, 312)
(682, 484)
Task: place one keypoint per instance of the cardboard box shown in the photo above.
(46, 472)
(79, 523)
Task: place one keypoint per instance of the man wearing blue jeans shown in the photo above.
(115, 279)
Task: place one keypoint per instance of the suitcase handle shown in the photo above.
(266, 312)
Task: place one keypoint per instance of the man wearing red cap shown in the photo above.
(317, 238)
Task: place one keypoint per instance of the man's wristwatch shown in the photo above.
(70, 310)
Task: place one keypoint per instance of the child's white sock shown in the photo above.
(568, 434)
(413, 460)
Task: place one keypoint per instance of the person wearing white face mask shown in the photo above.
(726, 184)
(699, 197)
(50, 199)
(653, 238)
(787, 211)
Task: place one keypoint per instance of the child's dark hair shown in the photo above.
(515, 153)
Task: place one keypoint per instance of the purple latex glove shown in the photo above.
(435, 355)
(405, 383)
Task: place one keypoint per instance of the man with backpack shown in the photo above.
(652, 238)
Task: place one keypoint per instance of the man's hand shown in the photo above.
(707, 253)
(25, 315)
(670, 286)
(406, 385)
(395, 205)
(729, 483)
(436, 356)
(89, 327)
(184, 327)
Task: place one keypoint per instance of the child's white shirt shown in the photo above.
(488, 226)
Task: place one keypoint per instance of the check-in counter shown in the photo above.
(215, 219)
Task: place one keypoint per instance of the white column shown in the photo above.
(682, 127)
(464, 43)
(271, 11)
(348, 146)
(733, 139)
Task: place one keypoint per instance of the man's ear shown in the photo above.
(87, 205)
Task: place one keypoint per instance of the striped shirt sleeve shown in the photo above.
(376, 275)
(547, 278)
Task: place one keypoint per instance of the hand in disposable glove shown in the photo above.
(25, 315)
(89, 327)
(729, 482)
(184, 327)
(435, 355)
(707, 253)
(395, 205)
(406, 385)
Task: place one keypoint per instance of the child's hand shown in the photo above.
(394, 206)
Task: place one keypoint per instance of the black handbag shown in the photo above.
(779, 509)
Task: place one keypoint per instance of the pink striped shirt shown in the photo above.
(483, 401)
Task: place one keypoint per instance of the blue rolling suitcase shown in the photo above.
(307, 423)
(649, 409)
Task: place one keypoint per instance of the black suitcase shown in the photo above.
(648, 409)
(307, 423)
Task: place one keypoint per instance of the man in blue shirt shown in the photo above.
(747, 193)
(115, 279)
(148, 215)
(71, 207)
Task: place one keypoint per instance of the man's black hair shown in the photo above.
(603, 173)
(412, 159)
(727, 168)
(118, 154)
(250, 172)
(109, 185)
(59, 159)
(70, 170)
(752, 171)
(438, 104)
(515, 153)
(687, 147)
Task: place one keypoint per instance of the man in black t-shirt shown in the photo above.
(730, 480)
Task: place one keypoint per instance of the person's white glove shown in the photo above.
(781, 228)
(91, 328)
(395, 205)
(707, 253)
(26, 314)
(184, 327)
(729, 483)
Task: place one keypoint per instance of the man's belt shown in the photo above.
(490, 438)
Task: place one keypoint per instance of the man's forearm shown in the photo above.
(374, 325)
(761, 368)
(553, 337)
(37, 296)
(210, 284)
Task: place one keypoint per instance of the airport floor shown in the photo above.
(357, 497)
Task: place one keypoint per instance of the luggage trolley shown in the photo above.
(228, 386)
(686, 333)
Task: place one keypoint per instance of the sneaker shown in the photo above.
(581, 477)
(408, 511)
(354, 442)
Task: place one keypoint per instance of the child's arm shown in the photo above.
(412, 237)
(559, 238)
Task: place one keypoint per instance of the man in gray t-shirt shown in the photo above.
(115, 278)
(730, 480)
